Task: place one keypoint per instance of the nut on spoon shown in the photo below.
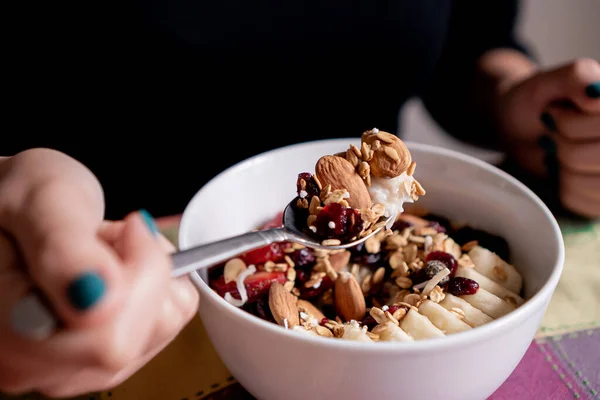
(210, 254)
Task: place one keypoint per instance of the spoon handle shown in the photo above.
(210, 254)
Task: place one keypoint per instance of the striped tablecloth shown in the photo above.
(563, 362)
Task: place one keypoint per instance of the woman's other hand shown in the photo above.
(556, 113)
(108, 283)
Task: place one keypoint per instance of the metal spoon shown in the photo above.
(210, 254)
(32, 318)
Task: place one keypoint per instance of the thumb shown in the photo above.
(79, 274)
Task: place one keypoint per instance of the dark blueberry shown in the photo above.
(303, 258)
(459, 286)
(446, 258)
(433, 267)
(419, 276)
(260, 309)
(361, 256)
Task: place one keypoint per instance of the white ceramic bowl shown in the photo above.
(274, 364)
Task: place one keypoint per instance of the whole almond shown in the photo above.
(392, 158)
(340, 260)
(283, 305)
(349, 300)
(310, 309)
(341, 174)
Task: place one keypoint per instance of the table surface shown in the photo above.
(561, 363)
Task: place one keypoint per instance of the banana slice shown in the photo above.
(419, 326)
(352, 331)
(489, 303)
(390, 332)
(489, 285)
(491, 265)
(445, 320)
(473, 316)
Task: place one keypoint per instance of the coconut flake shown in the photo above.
(435, 280)
(241, 288)
(303, 194)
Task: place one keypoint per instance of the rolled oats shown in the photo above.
(403, 282)
(469, 245)
(378, 276)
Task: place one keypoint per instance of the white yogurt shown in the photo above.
(392, 193)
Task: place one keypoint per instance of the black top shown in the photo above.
(157, 97)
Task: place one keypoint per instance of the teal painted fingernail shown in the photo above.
(548, 122)
(593, 90)
(548, 144)
(149, 221)
(86, 290)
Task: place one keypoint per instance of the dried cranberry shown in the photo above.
(273, 252)
(459, 286)
(369, 322)
(447, 258)
(303, 257)
(394, 308)
(311, 188)
(335, 221)
(433, 267)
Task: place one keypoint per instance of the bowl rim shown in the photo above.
(476, 335)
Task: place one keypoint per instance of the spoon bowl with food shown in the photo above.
(351, 196)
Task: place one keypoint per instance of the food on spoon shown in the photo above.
(352, 193)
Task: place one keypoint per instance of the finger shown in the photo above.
(578, 157)
(80, 275)
(111, 231)
(576, 81)
(572, 124)
(580, 193)
(146, 270)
